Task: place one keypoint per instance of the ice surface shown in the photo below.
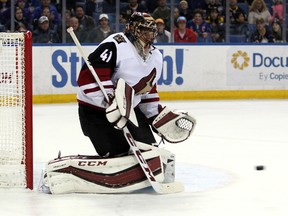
(217, 164)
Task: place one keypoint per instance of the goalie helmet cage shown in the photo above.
(16, 152)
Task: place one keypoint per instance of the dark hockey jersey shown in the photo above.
(116, 57)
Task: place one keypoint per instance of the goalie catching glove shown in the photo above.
(173, 126)
(121, 109)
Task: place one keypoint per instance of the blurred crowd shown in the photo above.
(192, 21)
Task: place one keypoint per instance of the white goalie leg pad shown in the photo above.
(91, 174)
(174, 126)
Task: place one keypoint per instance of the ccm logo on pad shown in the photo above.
(92, 163)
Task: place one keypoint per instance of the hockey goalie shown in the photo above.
(119, 111)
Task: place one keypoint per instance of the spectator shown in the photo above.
(262, 34)
(163, 12)
(46, 12)
(5, 15)
(20, 28)
(54, 16)
(241, 26)
(233, 10)
(79, 32)
(277, 31)
(184, 10)
(212, 4)
(277, 10)
(258, 10)
(199, 26)
(176, 15)
(43, 34)
(163, 36)
(18, 19)
(128, 10)
(183, 34)
(102, 31)
(216, 26)
(86, 22)
(26, 9)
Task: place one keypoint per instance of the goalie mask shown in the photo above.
(142, 29)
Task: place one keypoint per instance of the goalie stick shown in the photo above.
(161, 188)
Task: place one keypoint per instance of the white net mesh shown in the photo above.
(185, 124)
(12, 110)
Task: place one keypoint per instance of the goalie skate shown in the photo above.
(43, 184)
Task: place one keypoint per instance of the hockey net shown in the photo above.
(16, 158)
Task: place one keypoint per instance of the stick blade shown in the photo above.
(168, 188)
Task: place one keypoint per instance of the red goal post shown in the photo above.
(16, 136)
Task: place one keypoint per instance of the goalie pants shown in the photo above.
(105, 138)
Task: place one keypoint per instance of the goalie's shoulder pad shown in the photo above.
(174, 126)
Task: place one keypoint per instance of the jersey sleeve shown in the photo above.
(103, 60)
